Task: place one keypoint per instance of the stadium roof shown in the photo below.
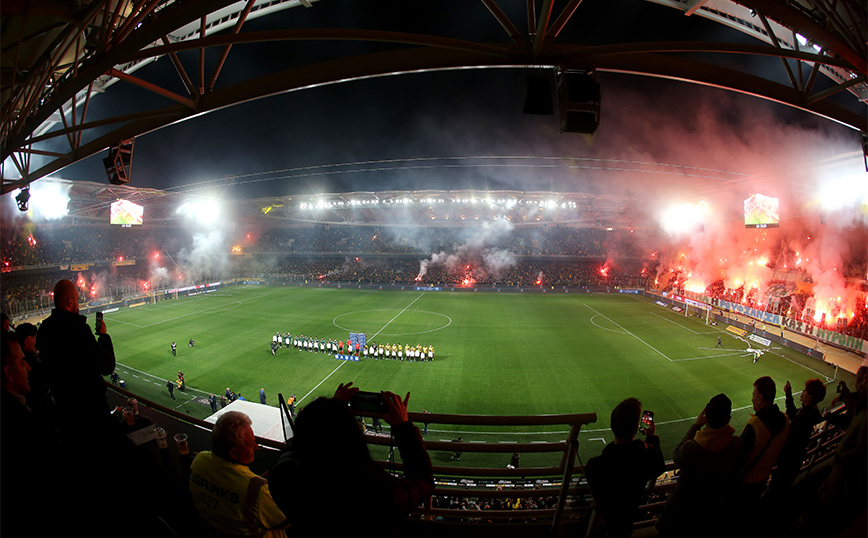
(90, 202)
(57, 56)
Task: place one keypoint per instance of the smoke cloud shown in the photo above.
(206, 258)
(479, 255)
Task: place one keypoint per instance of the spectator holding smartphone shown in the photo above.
(619, 475)
(326, 482)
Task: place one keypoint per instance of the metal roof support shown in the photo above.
(504, 21)
(237, 28)
(777, 45)
(562, 19)
(541, 25)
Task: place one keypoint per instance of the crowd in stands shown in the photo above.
(364, 254)
(796, 305)
(29, 292)
(46, 245)
(750, 484)
(549, 241)
(477, 506)
(57, 429)
(36, 246)
(524, 273)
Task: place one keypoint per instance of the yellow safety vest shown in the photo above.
(234, 500)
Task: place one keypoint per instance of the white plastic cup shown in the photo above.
(160, 437)
(181, 440)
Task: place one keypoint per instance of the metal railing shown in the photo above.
(564, 455)
(561, 472)
(577, 515)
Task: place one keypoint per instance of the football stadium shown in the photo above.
(353, 282)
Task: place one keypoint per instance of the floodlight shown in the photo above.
(51, 199)
(23, 197)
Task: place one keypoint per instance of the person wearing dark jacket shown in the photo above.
(326, 482)
(39, 399)
(75, 360)
(30, 450)
(763, 438)
(707, 457)
(802, 422)
(618, 477)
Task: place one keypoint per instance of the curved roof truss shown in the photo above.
(46, 96)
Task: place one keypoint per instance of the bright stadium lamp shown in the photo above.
(51, 199)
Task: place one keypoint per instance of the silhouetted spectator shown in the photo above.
(30, 449)
(707, 457)
(75, 361)
(232, 499)
(802, 422)
(844, 493)
(327, 484)
(763, 436)
(39, 398)
(618, 477)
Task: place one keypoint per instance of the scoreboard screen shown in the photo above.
(126, 213)
(761, 211)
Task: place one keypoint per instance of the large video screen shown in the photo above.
(761, 211)
(126, 213)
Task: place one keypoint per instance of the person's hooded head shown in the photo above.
(718, 411)
(327, 431)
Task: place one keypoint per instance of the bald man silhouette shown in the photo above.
(75, 360)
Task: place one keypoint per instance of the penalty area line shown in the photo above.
(629, 333)
(321, 382)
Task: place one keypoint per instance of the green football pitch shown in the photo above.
(496, 353)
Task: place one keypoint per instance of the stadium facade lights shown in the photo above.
(803, 41)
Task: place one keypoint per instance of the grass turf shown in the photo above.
(496, 353)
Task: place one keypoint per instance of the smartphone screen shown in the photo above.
(372, 402)
(647, 420)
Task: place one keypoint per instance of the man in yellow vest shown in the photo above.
(232, 499)
(763, 437)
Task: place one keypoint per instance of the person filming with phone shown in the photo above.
(75, 361)
(618, 477)
(325, 480)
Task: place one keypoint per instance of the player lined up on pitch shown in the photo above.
(359, 348)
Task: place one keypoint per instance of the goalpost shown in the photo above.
(701, 313)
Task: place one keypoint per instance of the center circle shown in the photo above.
(447, 321)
